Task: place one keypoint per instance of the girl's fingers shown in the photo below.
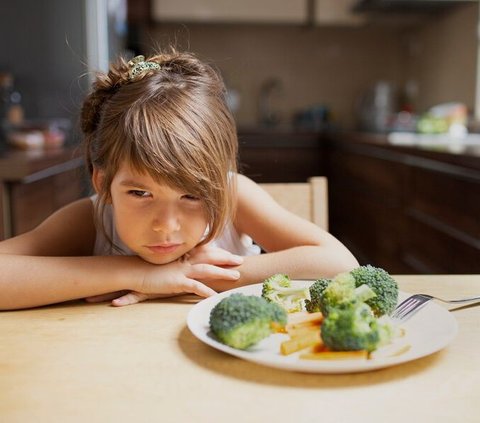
(104, 297)
(215, 256)
(198, 288)
(209, 271)
(130, 298)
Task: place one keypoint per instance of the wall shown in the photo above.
(334, 66)
(442, 58)
(329, 66)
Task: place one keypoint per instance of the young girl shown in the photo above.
(170, 215)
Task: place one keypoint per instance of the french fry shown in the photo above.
(300, 331)
(301, 319)
(277, 328)
(335, 355)
(298, 343)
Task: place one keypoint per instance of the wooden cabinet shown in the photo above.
(366, 205)
(249, 11)
(36, 183)
(443, 220)
(275, 156)
(404, 211)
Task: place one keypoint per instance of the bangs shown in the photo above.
(172, 153)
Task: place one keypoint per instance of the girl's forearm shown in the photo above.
(306, 262)
(27, 281)
(309, 262)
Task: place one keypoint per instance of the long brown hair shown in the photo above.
(172, 123)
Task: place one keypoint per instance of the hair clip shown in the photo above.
(138, 66)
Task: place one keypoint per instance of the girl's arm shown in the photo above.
(50, 264)
(293, 246)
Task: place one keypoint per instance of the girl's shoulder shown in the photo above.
(74, 222)
(70, 231)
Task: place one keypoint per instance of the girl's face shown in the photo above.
(158, 223)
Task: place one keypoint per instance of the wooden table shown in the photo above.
(89, 363)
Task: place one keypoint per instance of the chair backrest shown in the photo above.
(306, 199)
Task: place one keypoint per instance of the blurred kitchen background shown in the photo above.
(380, 96)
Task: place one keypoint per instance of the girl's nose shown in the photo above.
(166, 221)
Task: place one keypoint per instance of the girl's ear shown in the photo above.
(98, 177)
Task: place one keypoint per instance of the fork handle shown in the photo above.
(461, 301)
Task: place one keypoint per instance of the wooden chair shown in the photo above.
(306, 199)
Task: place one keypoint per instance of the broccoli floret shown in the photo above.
(278, 289)
(241, 321)
(353, 327)
(384, 286)
(342, 291)
(316, 290)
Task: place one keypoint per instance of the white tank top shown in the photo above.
(229, 240)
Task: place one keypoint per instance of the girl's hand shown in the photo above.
(202, 264)
(213, 255)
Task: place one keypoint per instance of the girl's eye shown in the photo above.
(190, 197)
(138, 193)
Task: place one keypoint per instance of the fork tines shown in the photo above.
(410, 306)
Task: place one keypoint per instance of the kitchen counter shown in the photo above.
(406, 208)
(455, 153)
(77, 362)
(18, 165)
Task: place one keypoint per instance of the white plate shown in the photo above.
(427, 332)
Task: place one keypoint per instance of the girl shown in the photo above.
(170, 214)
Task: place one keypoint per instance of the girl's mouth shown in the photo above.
(163, 248)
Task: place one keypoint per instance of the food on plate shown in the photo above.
(278, 289)
(305, 336)
(312, 305)
(308, 337)
(303, 319)
(341, 292)
(304, 331)
(384, 286)
(354, 327)
(241, 321)
(344, 317)
(335, 355)
(378, 280)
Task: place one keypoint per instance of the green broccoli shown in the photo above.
(278, 289)
(241, 321)
(353, 327)
(340, 291)
(384, 286)
(316, 290)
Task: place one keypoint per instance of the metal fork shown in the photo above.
(412, 305)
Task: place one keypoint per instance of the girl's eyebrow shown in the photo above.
(133, 183)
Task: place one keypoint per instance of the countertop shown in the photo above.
(29, 165)
(455, 154)
(92, 362)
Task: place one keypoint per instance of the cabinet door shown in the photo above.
(365, 207)
(443, 221)
(274, 11)
(336, 12)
